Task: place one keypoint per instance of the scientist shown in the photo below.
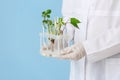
(96, 52)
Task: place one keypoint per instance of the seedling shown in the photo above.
(53, 27)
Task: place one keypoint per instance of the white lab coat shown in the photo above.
(100, 34)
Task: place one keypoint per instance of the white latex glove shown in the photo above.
(74, 52)
(43, 53)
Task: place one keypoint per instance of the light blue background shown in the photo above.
(19, 42)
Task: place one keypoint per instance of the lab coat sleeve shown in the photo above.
(105, 45)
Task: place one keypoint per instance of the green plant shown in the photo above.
(58, 24)
(74, 22)
(47, 23)
(53, 27)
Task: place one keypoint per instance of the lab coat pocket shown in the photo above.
(112, 69)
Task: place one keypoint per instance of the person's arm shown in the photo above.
(105, 45)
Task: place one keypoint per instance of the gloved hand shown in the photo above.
(74, 52)
(43, 53)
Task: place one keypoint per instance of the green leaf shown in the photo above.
(45, 21)
(60, 19)
(50, 22)
(48, 16)
(48, 11)
(63, 23)
(74, 22)
(43, 12)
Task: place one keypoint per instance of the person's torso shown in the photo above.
(96, 17)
